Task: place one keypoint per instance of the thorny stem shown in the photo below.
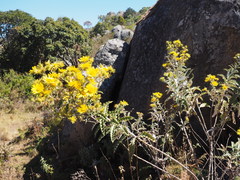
(186, 134)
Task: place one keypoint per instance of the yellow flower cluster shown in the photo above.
(224, 87)
(124, 103)
(72, 90)
(177, 51)
(212, 79)
(155, 97)
(121, 104)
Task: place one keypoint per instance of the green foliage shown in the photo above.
(107, 22)
(47, 168)
(231, 154)
(143, 10)
(11, 19)
(129, 13)
(99, 28)
(39, 41)
(15, 85)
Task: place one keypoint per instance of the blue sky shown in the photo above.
(79, 10)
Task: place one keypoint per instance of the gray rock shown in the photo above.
(126, 34)
(211, 29)
(117, 31)
(113, 53)
(121, 33)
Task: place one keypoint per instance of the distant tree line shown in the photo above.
(25, 41)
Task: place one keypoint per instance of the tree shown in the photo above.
(143, 10)
(121, 20)
(129, 13)
(99, 28)
(11, 19)
(40, 41)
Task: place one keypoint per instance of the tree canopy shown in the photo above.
(39, 41)
(11, 19)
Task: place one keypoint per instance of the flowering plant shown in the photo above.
(69, 91)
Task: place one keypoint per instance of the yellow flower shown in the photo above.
(93, 72)
(58, 64)
(174, 53)
(91, 89)
(157, 94)
(153, 99)
(238, 132)
(211, 78)
(85, 66)
(165, 65)
(36, 70)
(75, 84)
(54, 75)
(37, 88)
(72, 69)
(214, 83)
(82, 109)
(224, 87)
(177, 43)
(73, 119)
(204, 89)
(169, 74)
(85, 59)
(47, 92)
(51, 81)
(162, 79)
(124, 103)
(79, 76)
(153, 105)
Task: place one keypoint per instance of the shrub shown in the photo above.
(72, 91)
(15, 85)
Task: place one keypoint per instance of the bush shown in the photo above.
(100, 28)
(15, 85)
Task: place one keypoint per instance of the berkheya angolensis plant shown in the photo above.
(72, 92)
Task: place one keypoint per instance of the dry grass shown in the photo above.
(12, 165)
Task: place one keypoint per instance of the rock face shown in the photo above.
(210, 28)
(74, 137)
(113, 53)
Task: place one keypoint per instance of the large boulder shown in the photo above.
(210, 28)
(126, 34)
(114, 54)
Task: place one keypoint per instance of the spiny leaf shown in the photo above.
(112, 130)
(148, 136)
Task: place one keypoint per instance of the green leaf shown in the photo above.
(112, 130)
